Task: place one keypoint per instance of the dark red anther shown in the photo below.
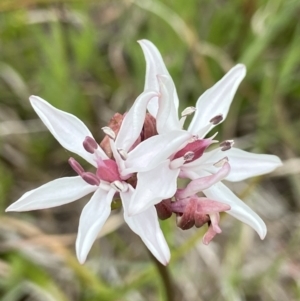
(217, 119)
(89, 144)
(76, 166)
(90, 178)
(226, 145)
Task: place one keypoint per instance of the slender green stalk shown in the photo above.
(172, 292)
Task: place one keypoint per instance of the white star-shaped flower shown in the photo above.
(110, 178)
(205, 169)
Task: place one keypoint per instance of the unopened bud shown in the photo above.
(226, 145)
(217, 119)
(201, 219)
(109, 132)
(186, 220)
(164, 209)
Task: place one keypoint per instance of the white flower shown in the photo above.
(205, 169)
(110, 178)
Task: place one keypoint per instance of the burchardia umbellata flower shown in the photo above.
(113, 177)
(204, 168)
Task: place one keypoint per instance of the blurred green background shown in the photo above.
(83, 58)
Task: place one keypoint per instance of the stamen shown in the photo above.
(109, 132)
(90, 145)
(90, 178)
(194, 138)
(118, 185)
(188, 111)
(76, 166)
(217, 119)
(188, 156)
(176, 163)
(226, 145)
(213, 136)
(122, 153)
(221, 162)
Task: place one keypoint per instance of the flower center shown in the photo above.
(89, 177)
(107, 170)
(196, 148)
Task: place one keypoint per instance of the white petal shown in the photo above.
(153, 186)
(55, 193)
(154, 150)
(92, 218)
(133, 121)
(216, 100)
(243, 164)
(68, 130)
(166, 118)
(239, 209)
(146, 226)
(155, 66)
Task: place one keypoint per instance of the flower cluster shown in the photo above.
(143, 155)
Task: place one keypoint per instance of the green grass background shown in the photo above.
(83, 58)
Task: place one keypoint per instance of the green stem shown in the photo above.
(172, 293)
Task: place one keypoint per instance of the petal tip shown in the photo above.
(165, 260)
(81, 259)
(261, 230)
(12, 208)
(81, 256)
(143, 41)
(263, 234)
(242, 67)
(34, 98)
(279, 162)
